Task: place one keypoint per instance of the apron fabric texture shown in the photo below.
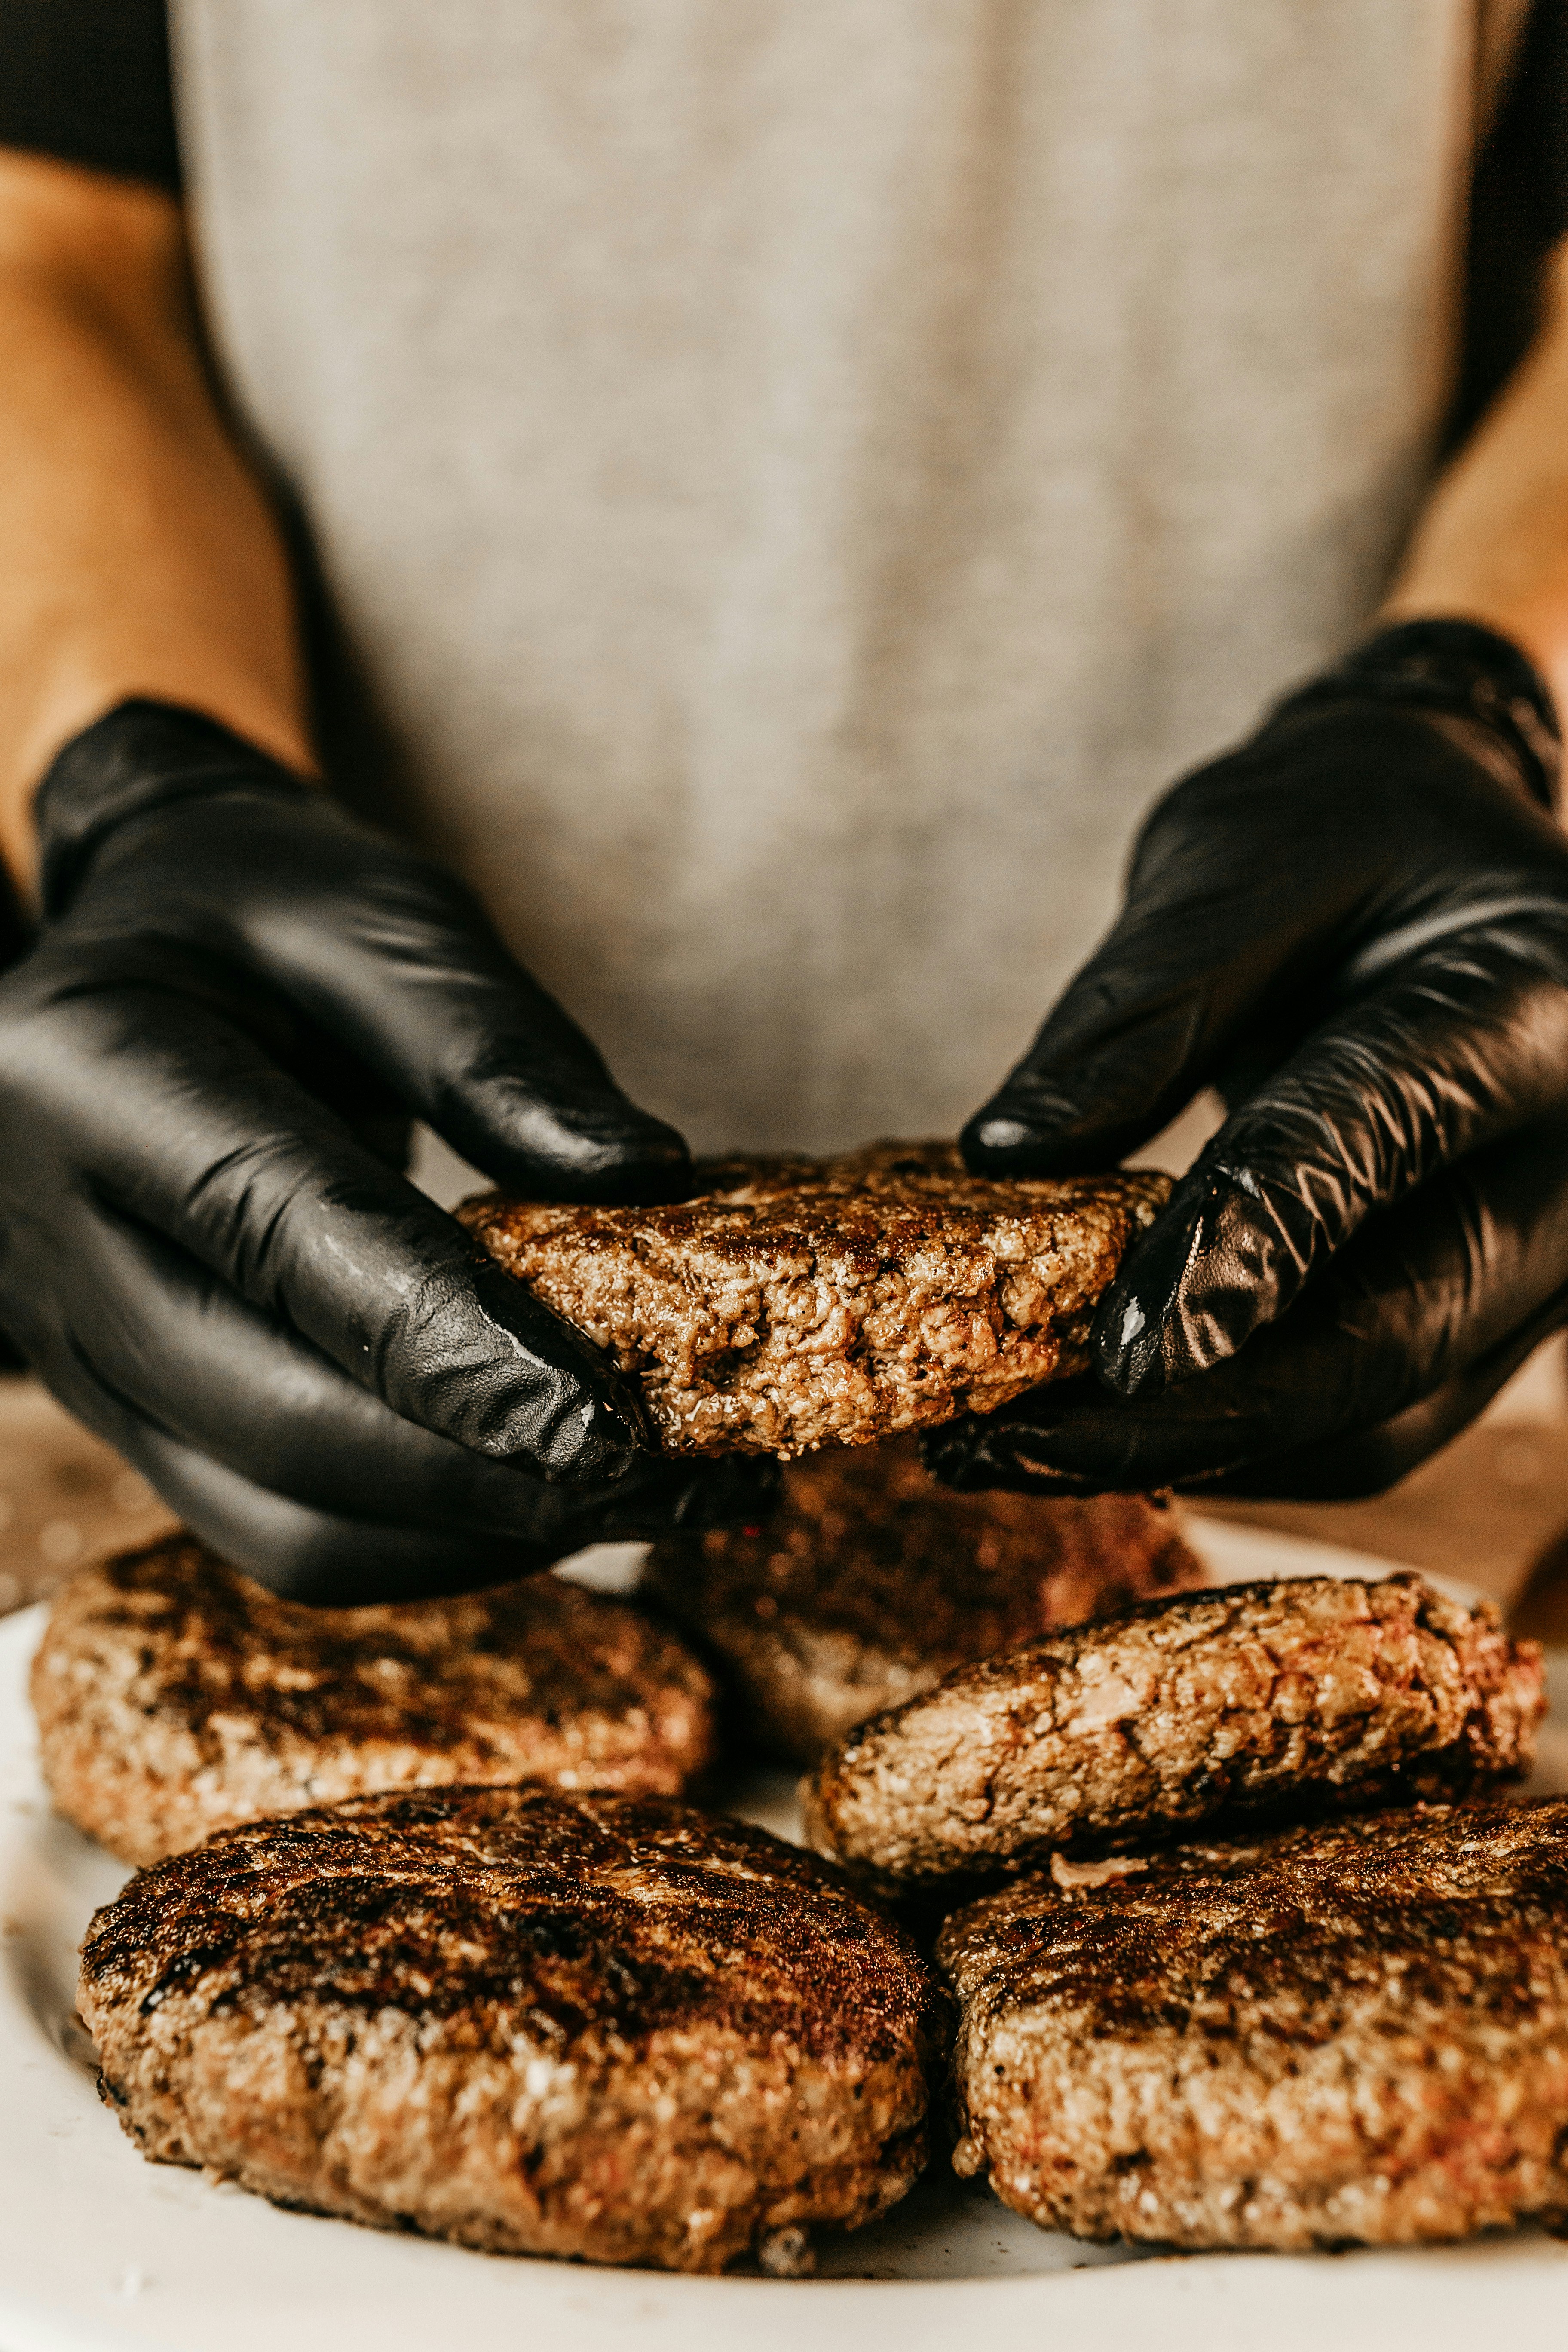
(798, 477)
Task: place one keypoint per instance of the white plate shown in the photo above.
(100, 2251)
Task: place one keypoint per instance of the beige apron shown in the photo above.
(800, 475)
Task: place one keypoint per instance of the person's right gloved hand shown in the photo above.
(235, 985)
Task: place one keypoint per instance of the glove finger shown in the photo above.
(307, 1555)
(1427, 1309)
(1212, 943)
(1465, 1044)
(1077, 1105)
(317, 1555)
(200, 1136)
(1257, 884)
(1362, 1462)
(398, 962)
(162, 1333)
(313, 1556)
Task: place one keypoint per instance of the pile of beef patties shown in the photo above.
(1180, 1915)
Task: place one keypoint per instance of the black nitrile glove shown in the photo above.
(236, 990)
(1356, 929)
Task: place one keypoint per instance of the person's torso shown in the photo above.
(799, 478)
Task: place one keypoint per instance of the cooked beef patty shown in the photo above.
(173, 1697)
(1352, 2033)
(798, 1303)
(870, 1582)
(608, 2027)
(1276, 1698)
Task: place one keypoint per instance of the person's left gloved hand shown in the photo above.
(238, 997)
(1356, 929)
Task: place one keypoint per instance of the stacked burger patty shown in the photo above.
(1197, 1905)
(1260, 1700)
(870, 1583)
(1206, 1996)
(1351, 2032)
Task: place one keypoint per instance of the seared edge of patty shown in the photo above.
(175, 1698)
(870, 1582)
(605, 2027)
(1307, 1694)
(1356, 2033)
(795, 1304)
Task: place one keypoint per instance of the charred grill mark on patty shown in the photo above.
(1356, 2031)
(607, 2027)
(175, 1698)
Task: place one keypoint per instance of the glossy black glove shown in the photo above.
(1356, 929)
(237, 993)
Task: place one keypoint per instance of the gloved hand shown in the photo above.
(239, 989)
(1356, 929)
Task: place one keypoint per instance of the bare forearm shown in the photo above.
(137, 552)
(1493, 545)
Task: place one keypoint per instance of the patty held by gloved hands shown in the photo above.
(792, 1304)
(1356, 929)
(201, 1252)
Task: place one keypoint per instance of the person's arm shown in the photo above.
(1493, 545)
(237, 991)
(137, 552)
(1355, 926)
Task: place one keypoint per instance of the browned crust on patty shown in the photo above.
(1352, 2033)
(1309, 1693)
(797, 1304)
(604, 2027)
(870, 1582)
(175, 1698)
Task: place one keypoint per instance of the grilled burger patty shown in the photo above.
(1352, 2033)
(870, 1582)
(798, 1303)
(174, 1697)
(1311, 1692)
(599, 2026)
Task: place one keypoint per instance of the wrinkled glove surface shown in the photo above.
(1356, 929)
(238, 998)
